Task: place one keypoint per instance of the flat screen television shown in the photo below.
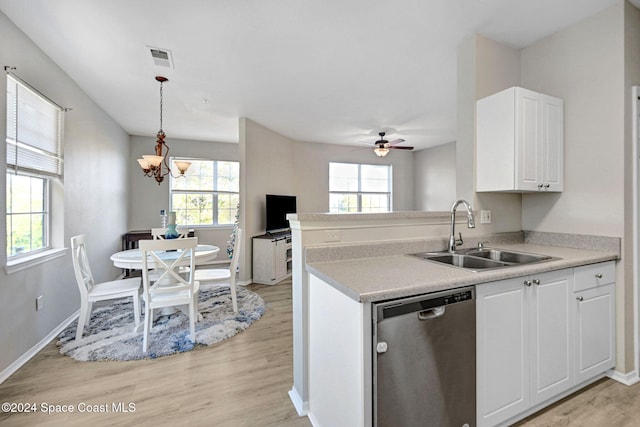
(277, 209)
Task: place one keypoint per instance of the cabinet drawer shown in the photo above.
(591, 276)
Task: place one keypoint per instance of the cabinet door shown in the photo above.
(528, 128)
(552, 143)
(280, 259)
(502, 317)
(595, 331)
(552, 356)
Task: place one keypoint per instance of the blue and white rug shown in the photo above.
(110, 336)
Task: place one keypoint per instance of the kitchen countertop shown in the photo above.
(381, 278)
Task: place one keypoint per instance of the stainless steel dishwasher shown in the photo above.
(424, 360)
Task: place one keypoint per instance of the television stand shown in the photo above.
(272, 259)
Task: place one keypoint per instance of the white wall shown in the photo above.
(583, 65)
(311, 169)
(484, 67)
(96, 175)
(147, 198)
(267, 168)
(632, 78)
(435, 178)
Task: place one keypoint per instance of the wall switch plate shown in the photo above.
(485, 217)
(39, 303)
(332, 235)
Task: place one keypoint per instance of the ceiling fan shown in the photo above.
(382, 146)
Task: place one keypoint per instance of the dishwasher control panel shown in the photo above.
(424, 302)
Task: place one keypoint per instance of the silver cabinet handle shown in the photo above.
(536, 281)
(382, 347)
(547, 186)
(539, 186)
(580, 298)
(527, 282)
(599, 276)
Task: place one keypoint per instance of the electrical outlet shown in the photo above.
(332, 235)
(39, 303)
(485, 217)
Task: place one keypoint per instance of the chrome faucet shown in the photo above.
(453, 242)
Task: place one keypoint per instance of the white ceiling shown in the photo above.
(332, 71)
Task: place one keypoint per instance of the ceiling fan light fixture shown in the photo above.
(381, 151)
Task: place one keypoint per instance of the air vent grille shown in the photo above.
(161, 57)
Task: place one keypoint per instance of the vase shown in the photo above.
(171, 232)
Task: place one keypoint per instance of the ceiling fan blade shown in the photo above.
(396, 141)
(401, 148)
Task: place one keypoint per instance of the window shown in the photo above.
(359, 188)
(208, 194)
(34, 161)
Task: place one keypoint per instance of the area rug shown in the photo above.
(110, 335)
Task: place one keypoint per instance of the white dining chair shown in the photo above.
(91, 292)
(211, 277)
(167, 286)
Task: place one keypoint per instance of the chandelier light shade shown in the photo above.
(156, 165)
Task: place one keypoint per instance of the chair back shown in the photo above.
(235, 258)
(81, 267)
(159, 232)
(165, 257)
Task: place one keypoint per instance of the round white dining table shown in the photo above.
(131, 259)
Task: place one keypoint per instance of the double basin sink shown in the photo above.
(483, 259)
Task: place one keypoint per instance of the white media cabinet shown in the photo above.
(272, 258)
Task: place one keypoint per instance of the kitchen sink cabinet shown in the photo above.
(523, 343)
(540, 337)
(519, 142)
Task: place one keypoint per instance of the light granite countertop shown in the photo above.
(375, 279)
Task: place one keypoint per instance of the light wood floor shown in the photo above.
(242, 381)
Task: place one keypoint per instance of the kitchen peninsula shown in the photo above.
(336, 284)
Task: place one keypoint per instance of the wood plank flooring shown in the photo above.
(242, 381)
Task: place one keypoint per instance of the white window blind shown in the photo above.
(34, 131)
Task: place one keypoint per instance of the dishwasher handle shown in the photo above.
(431, 313)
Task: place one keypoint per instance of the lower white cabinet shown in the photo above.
(523, 343)
(594, 317)
(539, 336)
(271, 258)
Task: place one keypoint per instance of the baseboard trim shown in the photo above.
(302, 408)
(627, 379)
(11, 369)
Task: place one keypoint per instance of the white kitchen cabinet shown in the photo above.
(271, 258)
(551, 325)
(594, 305)
(519, 142)
(524, 354)
(502, 350)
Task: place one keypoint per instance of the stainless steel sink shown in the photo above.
(483, 259)
(466, 261)
(507, 256)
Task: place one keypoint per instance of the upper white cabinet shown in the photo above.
(519, 142)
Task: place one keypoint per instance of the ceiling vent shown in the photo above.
(161, 57)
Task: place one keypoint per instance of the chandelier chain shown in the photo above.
(161, 106)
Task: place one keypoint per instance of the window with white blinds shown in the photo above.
(34, 131)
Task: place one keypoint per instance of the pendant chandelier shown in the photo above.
(156, 165)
